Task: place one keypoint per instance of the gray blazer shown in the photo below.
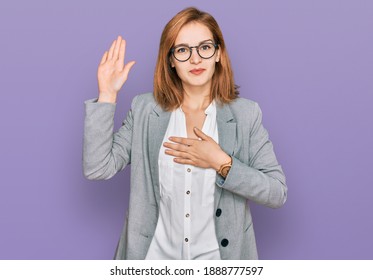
(255, 174)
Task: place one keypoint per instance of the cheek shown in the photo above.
(212, 69)
(180, 70)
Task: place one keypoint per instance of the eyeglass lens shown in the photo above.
(205, 50)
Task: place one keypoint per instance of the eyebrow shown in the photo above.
(184, 44)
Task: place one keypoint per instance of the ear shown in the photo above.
(172, 62)
(218, 56)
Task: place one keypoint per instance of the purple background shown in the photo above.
(309, 64)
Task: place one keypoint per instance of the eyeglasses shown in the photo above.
(205, 50)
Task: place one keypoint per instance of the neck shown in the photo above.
(196, 98)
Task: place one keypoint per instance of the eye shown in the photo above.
(181, 50)
(205, 47)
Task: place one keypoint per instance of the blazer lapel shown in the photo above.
(158, 122)
(227, 136)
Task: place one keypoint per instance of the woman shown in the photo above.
(198, 153)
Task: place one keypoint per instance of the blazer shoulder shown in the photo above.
(245, 110)
(147, 97)
(143, 101)
(241, 103)
(144, 98)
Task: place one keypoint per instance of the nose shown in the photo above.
(195, 58)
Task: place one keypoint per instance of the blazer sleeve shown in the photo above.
(105, 153)
(262, 180)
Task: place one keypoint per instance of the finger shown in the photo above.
(200, 134)
(111, 50)
(176, 147)
(122, 51)
(116, 48)
(184, 161)
(127, 69)
(104, 57)
(182, 140)
(177, 154)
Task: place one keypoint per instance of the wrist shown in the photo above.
(107, 97)
(225, 168)
(224, 159)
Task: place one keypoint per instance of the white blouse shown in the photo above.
(185, 228)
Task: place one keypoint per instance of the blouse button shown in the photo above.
(224, 242)
(189, 169)
(218, 212)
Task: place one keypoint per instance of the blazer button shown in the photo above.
(218, 212)
(224, 242)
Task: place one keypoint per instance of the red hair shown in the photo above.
(168, 90)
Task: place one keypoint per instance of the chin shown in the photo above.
(198, 82)
(197, 85)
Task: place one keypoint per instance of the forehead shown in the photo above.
(193, 33)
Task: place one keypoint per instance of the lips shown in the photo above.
(197, 71)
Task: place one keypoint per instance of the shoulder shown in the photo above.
(244, 109)
(143, 101)
(243, 103)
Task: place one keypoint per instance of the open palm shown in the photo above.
(112, 72)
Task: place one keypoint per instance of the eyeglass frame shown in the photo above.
(216, 47)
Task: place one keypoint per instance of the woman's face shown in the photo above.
(196, 72)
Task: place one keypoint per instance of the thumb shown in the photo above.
(127, 69)
(200, 134)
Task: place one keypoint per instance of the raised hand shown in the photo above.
(112, 73)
